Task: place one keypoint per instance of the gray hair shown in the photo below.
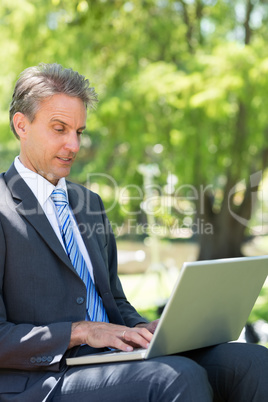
(45, 80)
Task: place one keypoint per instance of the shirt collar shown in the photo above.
(41, 187)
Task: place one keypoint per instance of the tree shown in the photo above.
(213, 129)
(182, 84)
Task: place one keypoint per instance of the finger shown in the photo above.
(116, 336)
(138, 338)
(128, 338)
(136, 333)
(145, 333)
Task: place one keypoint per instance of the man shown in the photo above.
(60, 293)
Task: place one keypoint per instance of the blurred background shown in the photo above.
(178, 145)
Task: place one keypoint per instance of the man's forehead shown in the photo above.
(61, 100)
(62, 105)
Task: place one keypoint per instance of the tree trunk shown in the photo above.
(221, 240)
(222, 233)
(249, 9)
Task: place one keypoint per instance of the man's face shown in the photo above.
(50, 143)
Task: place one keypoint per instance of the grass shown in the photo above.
(260, 310)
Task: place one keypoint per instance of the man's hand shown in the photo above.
(151, 326)
(101, 334)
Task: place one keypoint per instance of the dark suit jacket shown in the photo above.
(41, 293)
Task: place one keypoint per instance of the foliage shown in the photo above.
(259, 311)
(181, 84)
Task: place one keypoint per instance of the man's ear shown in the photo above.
(20, 122)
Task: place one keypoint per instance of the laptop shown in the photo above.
(209, 305)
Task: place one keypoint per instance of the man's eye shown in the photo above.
(59, 129)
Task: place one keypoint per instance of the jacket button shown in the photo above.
(33, 360)
(49, 359)
(80, 300)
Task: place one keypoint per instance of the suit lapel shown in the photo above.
(86, 223)
(83, 217)
(29, 207)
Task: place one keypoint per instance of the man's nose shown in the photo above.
(73, 143)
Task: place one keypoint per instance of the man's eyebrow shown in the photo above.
(65, 124)
(59, 121)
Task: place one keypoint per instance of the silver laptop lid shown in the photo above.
(210, 304)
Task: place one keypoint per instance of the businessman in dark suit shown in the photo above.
(46, 307)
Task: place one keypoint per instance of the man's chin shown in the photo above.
(55, 177)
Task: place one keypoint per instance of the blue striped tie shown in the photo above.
(95, 308)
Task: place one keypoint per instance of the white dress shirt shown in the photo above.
(42, 189)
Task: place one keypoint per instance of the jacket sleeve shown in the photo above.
(25, 346)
